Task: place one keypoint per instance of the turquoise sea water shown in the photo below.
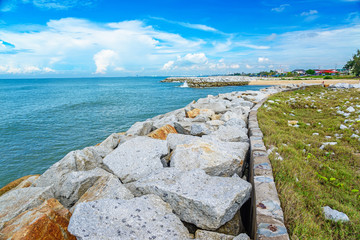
(43, 119)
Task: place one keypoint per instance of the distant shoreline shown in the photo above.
(312, 81)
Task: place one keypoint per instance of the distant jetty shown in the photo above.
(216, 81)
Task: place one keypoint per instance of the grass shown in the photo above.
(309, 178)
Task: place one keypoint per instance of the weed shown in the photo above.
(314, 173)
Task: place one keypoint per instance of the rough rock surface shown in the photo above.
(146, 217)
(47, 221)
(178, 139)
(231, 134)
(335, 215)
(207, 235)
(136, 158)
(214, 158)
(197, 198)
(163, 132)
(199, 129)
(19, 200)
(232, 227)
(140, 129)
(106, 187)
(75, 184)
(18, 183)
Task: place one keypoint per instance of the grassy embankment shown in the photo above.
(307, 177)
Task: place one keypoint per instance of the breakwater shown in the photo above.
(215, 81)
(179, 175)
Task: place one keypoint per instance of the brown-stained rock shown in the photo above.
(193, 113)
(162, 133)
(47, 221)
(208, 113)
(16, 183)
(216, 117)
(232, 227)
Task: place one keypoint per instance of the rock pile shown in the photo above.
(214, 81)
(169, 177)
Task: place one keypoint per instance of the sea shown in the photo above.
(41, 120)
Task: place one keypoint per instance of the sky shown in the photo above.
(108, 38)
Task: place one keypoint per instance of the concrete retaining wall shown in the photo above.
(267, 215)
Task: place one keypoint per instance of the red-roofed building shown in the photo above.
(324, 71)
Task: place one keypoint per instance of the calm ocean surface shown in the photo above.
(43, 119)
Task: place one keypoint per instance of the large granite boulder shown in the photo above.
(215, 158)
(109, 144)
(146, 217)
(178, 139)
(19, 200)
(106, 187)
(47, 221)
(197, 198)
(199, 129)
(75, 184)
(22, 182)
(231, 134)
(163, 132)
(80, 160)
(136, 158)
(140, 129)
(218, 106)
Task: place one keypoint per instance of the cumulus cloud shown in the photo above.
(104, 59)
(281, 8)
(190, 60)
(262, 59)
(25, 69)
(198, 61)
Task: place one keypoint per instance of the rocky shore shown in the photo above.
(215, 81)
(181, 175)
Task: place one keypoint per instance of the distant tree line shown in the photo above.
(353, 65)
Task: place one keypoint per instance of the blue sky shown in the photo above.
(78, 38)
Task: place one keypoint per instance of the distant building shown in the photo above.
(325, 71)
(299, 71)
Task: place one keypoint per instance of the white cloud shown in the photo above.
(189, 25)
(49, 4)
(48, 70)
(310, 12)
(310, 15)
(26, 69)
(248, 66)
(272, 37)
(75, 42)
(311, 48)
(281, 8)
(104, 59)
(168, 65)
(262, 59)
(252, 46)
(189, 61)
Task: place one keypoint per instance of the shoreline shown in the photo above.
(312, 81)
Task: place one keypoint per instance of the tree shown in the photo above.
(310, 72)
(353, 65)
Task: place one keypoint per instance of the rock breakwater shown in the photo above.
(215, 81)
(179, 175)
